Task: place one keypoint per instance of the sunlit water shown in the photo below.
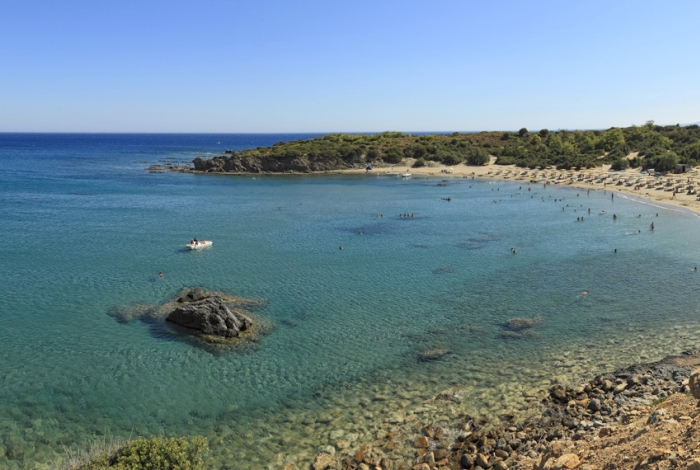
(85, 230)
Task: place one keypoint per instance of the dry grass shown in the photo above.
(73, 460)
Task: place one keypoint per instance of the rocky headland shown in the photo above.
(649, 146)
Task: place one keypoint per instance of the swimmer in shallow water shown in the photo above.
(160, 274)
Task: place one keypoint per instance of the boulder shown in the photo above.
(322, 462)
(466, 461)
(694, 383)
(566, 462)
(482, 460)
(209, 316)
(594, 405)
(433, 355)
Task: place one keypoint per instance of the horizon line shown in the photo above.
(325, 132)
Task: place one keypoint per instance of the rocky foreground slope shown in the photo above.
(641, 416)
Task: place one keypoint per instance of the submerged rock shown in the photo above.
(433, 355)
(520, 324)
(447, 269)
(210, 316)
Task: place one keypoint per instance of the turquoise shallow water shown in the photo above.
(87, 230)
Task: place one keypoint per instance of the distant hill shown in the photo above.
(658, 147)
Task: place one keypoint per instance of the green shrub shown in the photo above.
(419, 163)
(393, 155)
(477, 156)
(619, 164)
(153, 454)
(449, 158)
(667, 162)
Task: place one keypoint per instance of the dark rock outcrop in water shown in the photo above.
(210, 316)
(214, 320)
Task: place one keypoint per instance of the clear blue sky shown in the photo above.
(321, 66)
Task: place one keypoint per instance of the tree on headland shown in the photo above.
(667, 162)
(393, 155)
(522, 132)
(477, 156)
(620, 164)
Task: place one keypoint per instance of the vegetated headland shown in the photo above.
(647, 147)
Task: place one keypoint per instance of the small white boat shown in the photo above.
(406, 175)
(199, 245)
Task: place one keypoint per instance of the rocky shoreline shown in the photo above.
(572, 418)
(233, 164)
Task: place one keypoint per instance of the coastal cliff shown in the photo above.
(267, 164)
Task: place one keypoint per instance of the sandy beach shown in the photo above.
(658, 195)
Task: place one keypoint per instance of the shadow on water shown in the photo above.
(480, 241)
(471, 245)
(447, 269)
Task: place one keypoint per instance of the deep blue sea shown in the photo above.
(86, 229)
